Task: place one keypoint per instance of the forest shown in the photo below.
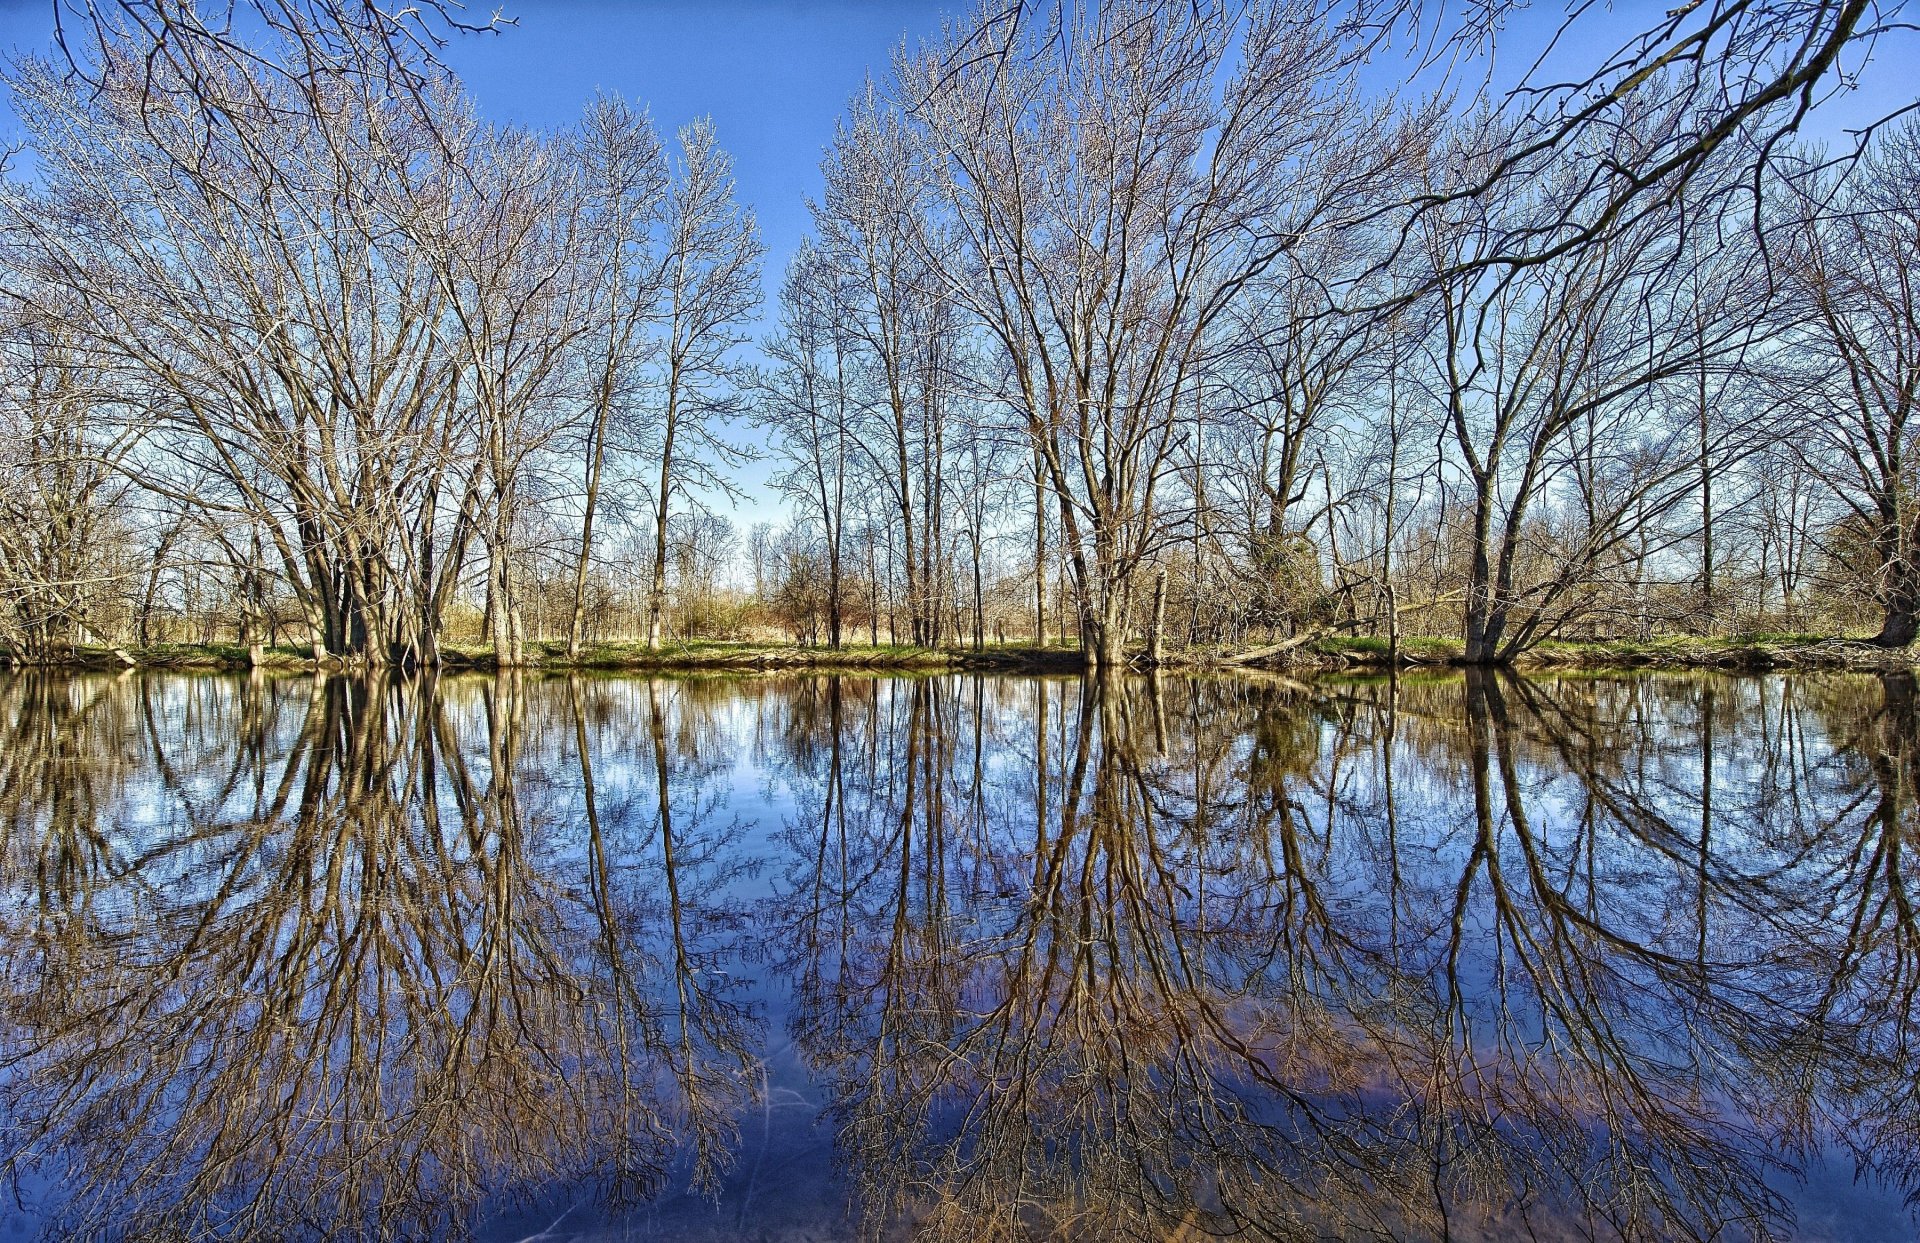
(1136, 328)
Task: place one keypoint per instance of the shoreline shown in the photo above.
(1678, 653)
(542, 658)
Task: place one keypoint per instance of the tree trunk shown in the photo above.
(1485, 612)
(657, 596)
(496, 607)
(979, 599)
(576, 624)
(1103, 630)
(873, 593)
(833, 590)
(1159, 617)
(1901, 620)
(1039, 555)
(1707, 594)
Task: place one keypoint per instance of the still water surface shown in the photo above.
(816, 958)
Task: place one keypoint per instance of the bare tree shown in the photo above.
(888, 295)
(188, 45)
(63, 435)
(502, 231)
(283, 323)
(1744, 74)
(1856, 271)
(809, 398)
(624, 185)
(709, 283)
(1557, 385)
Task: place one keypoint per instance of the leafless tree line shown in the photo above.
(1138, 325)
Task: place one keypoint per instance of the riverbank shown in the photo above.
(752, 657)
(600, 658)
(1738, 653)
(1750, 653)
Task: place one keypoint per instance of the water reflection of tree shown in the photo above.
(1480, 957)
(1468, 957)
(370, 972)
(50, 801)
(1771, 819)
(1873, 983)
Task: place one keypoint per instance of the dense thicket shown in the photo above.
(1134, 325)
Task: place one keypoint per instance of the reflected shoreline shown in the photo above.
(1468, 955)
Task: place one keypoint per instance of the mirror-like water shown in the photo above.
(959, 958)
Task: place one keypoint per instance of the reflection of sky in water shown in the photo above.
(889, 960)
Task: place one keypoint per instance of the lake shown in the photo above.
(961, 957)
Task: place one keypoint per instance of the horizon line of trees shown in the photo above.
(1147, 326)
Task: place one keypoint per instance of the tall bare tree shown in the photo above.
(64, 432)
(282, 319)
(810, 399)
(503, 232)
(1558, 385)
(623, 182)
(709, 283)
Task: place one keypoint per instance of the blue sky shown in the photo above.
(773, 75)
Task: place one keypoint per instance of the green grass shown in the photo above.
(213, 655)
(718, 654)
(1782, 637)
(1659, 645)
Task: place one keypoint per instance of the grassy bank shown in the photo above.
(609, 657)
(748, 657)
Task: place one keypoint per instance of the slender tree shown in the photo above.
(709, 283)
